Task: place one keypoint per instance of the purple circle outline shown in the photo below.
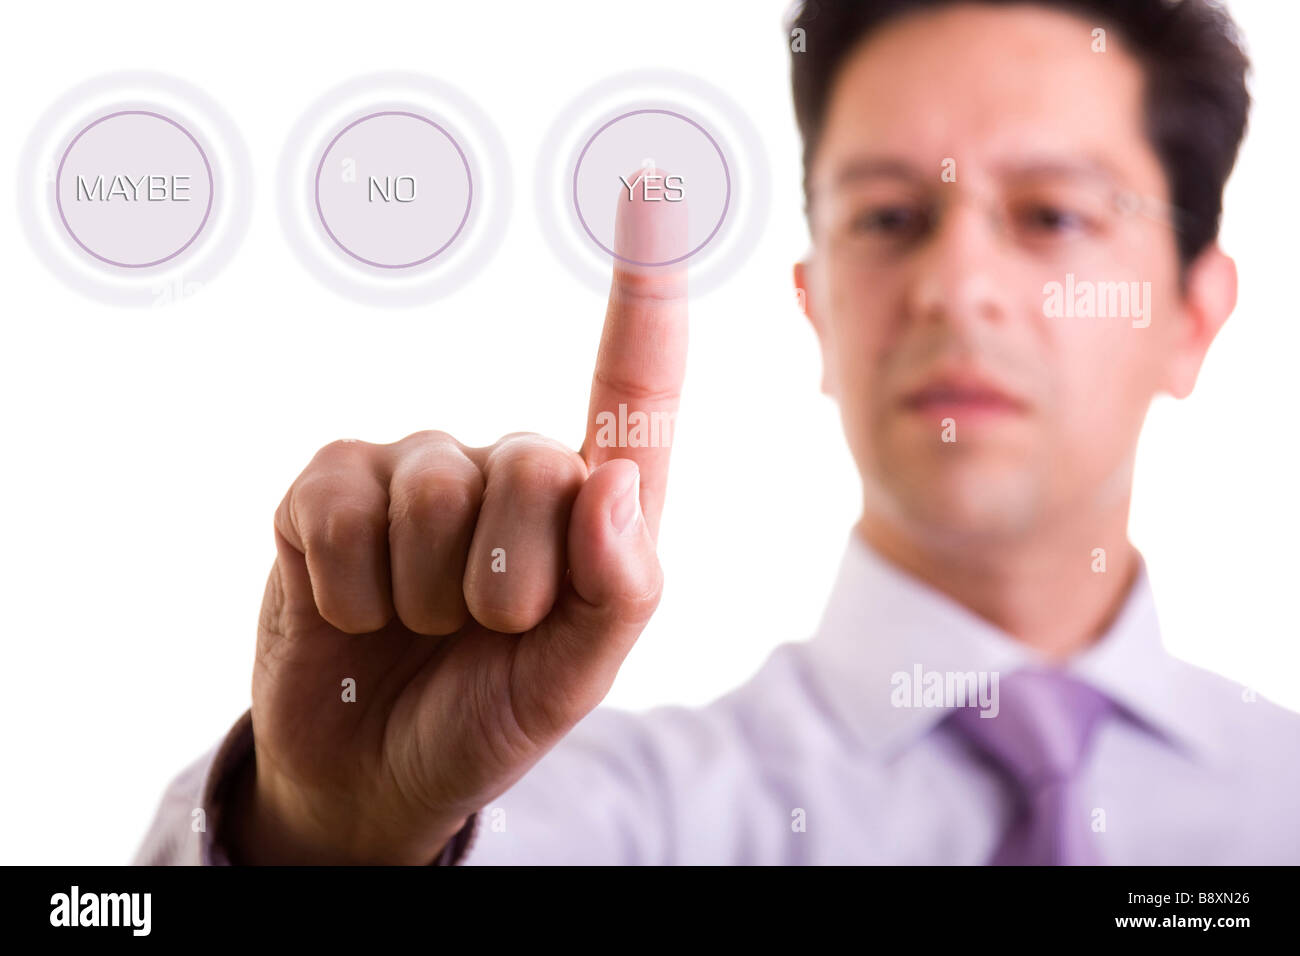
(469, 179)
(726, 203)
(58, 180)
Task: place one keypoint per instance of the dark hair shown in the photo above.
(1195, 98)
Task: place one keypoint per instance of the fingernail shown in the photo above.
(627, 505)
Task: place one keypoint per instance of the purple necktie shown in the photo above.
(1040, 739)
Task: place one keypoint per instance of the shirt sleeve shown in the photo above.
(181, 836)
(599, 797)
(671, 785)
(190, 810)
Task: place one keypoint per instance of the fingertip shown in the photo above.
(352, 617)
(651, 223)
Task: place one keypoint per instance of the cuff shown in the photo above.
(458, 847)
(236, 748)
(231, 753)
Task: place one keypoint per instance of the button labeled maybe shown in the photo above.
(134, 189)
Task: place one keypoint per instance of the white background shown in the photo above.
(145, 450)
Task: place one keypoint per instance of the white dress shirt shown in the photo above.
(811, 761)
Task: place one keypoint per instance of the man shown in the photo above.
(1013, 209)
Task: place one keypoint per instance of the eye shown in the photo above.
(891, 221)
(1048, 220)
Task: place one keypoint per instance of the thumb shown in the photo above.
(613, 588)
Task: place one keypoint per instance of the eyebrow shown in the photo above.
(874, 167)
(867, 167)
(1083, 167)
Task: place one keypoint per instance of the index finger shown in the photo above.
(637, 383)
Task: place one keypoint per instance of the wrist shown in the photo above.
(272, 823)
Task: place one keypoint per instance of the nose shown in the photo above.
(959, 277)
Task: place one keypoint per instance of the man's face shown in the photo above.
(928, 295)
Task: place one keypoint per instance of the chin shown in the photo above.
(967, 502)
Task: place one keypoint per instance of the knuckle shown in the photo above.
(333, 473)
(435, 498)
(429, 436)
(642, 287)
(539, 463)
(345, 528)
(527, 442)
(640, 601)
(629, 386)
(342, 451)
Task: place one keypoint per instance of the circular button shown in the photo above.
(134, 189)
(679, 162)
(653, 136)
(393, 189)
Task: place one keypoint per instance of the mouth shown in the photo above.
(954, 394)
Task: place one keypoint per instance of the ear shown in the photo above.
(1209, 298)
(803, 295)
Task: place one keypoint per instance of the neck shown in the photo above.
(1041, 589)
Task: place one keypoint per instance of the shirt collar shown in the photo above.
(881, 621)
